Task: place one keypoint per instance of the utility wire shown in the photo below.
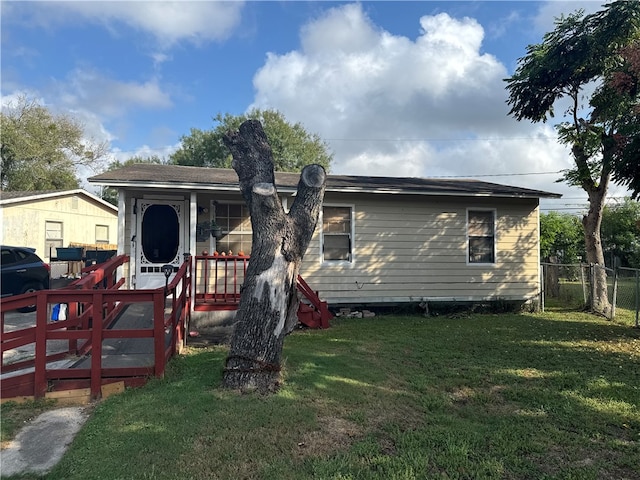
(496, 175)
(436, 139)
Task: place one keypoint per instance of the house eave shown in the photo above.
(56, 194)
(191, 186)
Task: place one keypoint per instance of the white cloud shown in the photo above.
(168, 22)
(391, 106)
(108, 97)
(545, 20)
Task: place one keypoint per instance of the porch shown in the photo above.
(110, 335)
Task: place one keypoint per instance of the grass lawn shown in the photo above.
(531, 396)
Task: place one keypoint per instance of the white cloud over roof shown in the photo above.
(391, 105)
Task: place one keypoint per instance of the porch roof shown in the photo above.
(177, 177)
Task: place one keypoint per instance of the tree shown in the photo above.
(562, 237)
(621, 233)
(268, 302)
(110, 194)
(581, 52)
(624, 83)
(40, 150)
(292, 146)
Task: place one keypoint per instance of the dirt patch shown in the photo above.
(333, 435)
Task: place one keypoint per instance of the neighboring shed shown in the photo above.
(380, 240)
(45, 220)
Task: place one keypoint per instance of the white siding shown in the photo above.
(414, 248)
(23, 223)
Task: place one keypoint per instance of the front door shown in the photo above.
(160, 240)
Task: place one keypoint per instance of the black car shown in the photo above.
(23, 271)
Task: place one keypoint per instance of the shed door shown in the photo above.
(160, 240)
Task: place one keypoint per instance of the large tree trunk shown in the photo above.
(591, 222)
(269, 301)
(595, 256)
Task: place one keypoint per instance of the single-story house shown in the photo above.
(379, 240)
(47, 220)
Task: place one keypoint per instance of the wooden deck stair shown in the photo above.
(312, 312)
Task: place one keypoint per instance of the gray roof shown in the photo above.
(146, 175)
(24, 194)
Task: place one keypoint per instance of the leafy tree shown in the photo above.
(562, 237)
(292, 146)
(624, 83)
(621, 233)
(40, 150)
(111, 194)
(583, 52)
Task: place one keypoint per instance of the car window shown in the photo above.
(7, 257)
(21, 255)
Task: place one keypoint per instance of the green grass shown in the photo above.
(553, 396)
(17, 415)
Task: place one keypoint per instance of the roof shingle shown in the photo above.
(158, 176)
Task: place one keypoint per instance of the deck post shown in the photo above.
(96, 344)
(158, 333)
(40, 366)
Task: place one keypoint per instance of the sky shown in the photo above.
(399, 89)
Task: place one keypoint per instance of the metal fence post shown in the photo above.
(592, 278)
(637, 296)
(615, 294)
(542, 287)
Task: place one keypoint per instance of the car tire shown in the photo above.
(28, 288)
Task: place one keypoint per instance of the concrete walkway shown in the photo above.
(40, 445)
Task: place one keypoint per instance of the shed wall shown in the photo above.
(23, 224)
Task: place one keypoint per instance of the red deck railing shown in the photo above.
(218, 278)
(99, 315)
(94, 300)
(217, 281)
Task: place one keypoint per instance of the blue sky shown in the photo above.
(395, 88)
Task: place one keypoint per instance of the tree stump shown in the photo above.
(269, 300)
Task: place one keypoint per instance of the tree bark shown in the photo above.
(591, 222)
(269, 301)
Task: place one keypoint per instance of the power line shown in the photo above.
(437, 139)
(496, 175)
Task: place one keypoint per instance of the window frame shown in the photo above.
(102, 241)
(215, 204)
(494, 237)
(351, 234)
(49, 242)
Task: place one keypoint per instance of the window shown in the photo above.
(102, 233)
(235, 222)
(52, 238)
(336, 234)
(481, 233)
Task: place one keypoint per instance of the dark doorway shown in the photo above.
(160, 234)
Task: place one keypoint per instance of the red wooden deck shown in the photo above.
(217, 281)
(139, 329)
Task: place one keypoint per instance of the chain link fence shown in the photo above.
(571, 286)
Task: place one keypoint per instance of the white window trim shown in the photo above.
(103, 241)
(352, 234)
(213, 243)
(495, 237)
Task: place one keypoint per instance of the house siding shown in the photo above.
(23, 223)
(409, 248)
